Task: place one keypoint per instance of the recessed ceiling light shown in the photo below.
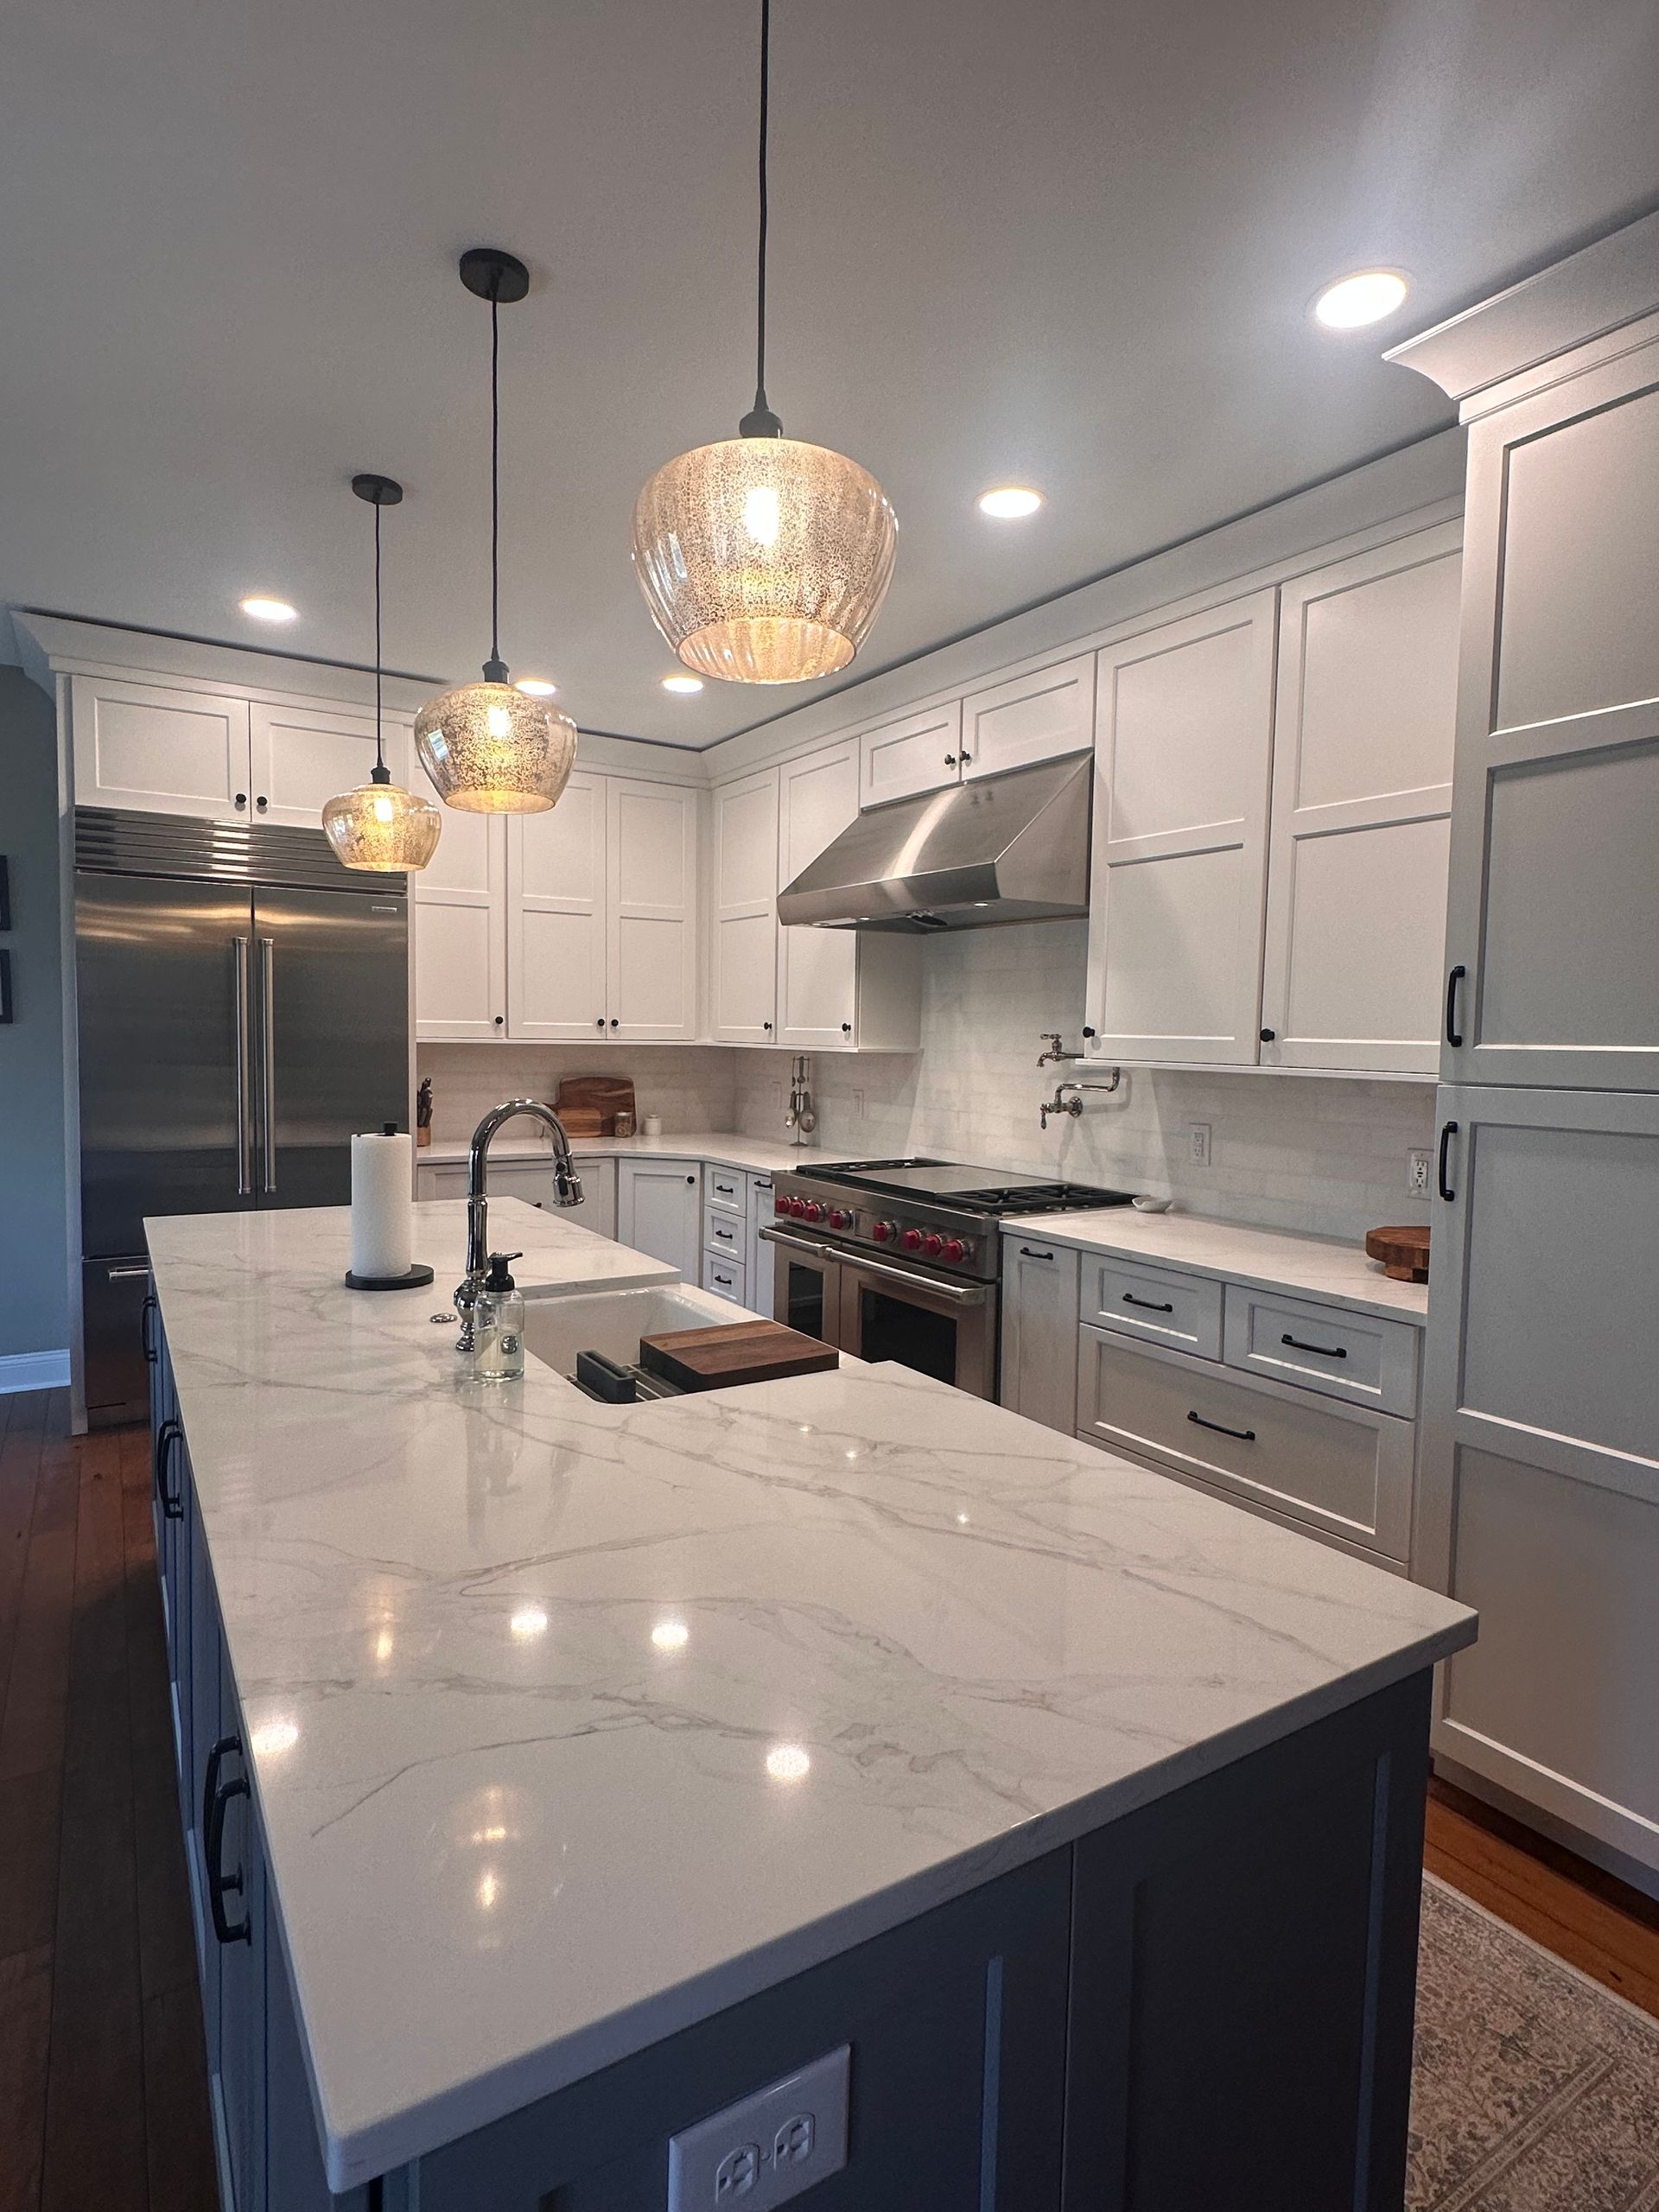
(536, 687)
(683, 684)
(268, 610)
(1010, 502)
(1366, 297)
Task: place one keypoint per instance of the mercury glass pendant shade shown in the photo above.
(764, 560)
(381, 827)
(489, 749)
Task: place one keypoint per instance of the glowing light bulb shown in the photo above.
(488, 1889)
(499, 723)
(1353, 301)
(1010, 502)
(760, 514)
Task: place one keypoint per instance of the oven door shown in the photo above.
(941, 1328)
(805, 1286)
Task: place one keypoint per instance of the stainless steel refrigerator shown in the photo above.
(243, 1007)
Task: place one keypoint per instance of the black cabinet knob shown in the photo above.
(262, 802)
(614, 1023)
(845, 1028)
(691, 1178)
(967, 758)
(949, 759)
(500, 1020)
(765, 1025)
(241, 798)
(600, 1024)
(1268, 1036)
(1088, 1032)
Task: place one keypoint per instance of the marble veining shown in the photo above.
(572, 1723)
(1324, 1268)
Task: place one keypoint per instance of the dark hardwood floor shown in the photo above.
(103, 2082)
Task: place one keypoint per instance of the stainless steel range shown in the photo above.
(901, 1259)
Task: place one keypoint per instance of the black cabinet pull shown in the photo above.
(600, 1024)
(615, 1021)
(690, 1179)
(1025, 1253)
(1453, 1035)
(145, 1339)
(1445, 1188)
(1088, 1032)
(949, 759)
(1147, 1305)
(241, 798)
(765, 1025)
(967, 758)
(845, 1028)
(169, 1434)
(217, 1798)
(1325, 1351)
(1268, 1036)
(500, 1020)
(1244, 1435)
(262, 802)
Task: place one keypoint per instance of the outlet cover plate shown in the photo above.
(768, 2147)
(1197, 1144)
(1417, 1173)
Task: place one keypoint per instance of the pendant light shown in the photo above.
(764, 560)
(488, 749)
(380, 826)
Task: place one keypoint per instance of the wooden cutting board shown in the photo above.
(1403, 1252)
(733, 1352)
(608, 1095)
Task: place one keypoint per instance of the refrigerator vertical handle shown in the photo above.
(268, 1056)
(240, 946)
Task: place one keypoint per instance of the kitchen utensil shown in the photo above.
(1403, 1252)
(733, 1352)
(607, 1095)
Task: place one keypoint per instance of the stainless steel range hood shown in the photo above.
(1009, 849)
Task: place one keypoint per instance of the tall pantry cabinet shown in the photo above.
(1539, 1495)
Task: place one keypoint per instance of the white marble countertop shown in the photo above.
(573, 1723)
(724, 1148)
(1327, 1269)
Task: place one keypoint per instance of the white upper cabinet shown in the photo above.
(919, 751)
(459, 909)
(1030, 718)
(651, 964)
(162, 750)
(1362, 798)
(745, 871)
(299, 757)
(1184, 743)
(817, 970)
(555, 917)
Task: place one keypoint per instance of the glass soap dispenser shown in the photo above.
(498, 1325)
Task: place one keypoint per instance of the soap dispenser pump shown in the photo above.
(499, 1324)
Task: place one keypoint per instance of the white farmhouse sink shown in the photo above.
(612, 1321)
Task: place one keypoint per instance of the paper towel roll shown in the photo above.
(382, 1172)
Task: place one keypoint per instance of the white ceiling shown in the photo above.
(1048, 240)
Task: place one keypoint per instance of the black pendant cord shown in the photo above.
(381, 773)
(495, 484)
(762, 423)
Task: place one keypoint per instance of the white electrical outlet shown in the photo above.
(858, 1105)
(768, 2148)
(1417, 1172)
(1198, 1143)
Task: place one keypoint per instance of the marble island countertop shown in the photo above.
(1330, 1269)
(572, 1723)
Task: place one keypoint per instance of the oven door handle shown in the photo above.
(802, 1244)
(971, 1294)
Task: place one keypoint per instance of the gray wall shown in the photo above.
(34, 1264)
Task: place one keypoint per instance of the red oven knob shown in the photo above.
(955, 1251)
(797, 1208)
(780, 1205)
(814, 1211)
(911, 1240)
(839, 1218)
(883, 1232)
(933, 1245)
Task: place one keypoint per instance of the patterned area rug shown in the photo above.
(1534, 2090)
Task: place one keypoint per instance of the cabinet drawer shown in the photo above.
(726, 1188)
(724, 1277)
(1181, 1311)
(1353, 1355)
(724, 1234)
(1342, 1472)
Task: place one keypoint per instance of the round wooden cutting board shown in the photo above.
(1403, 1252)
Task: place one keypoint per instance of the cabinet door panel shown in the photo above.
(1554, 897)
(301, 756)
(658, 1209)
(1364, 735)
(652, 950)
(1540, 1458)
(555, 917)
(1029, 718)
(459, 925)
(817, 970)
(916, 752)
(140, 745)
(1183, 747)
(1038, 1375)
(746, 910)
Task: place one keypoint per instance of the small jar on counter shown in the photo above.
(498, 1325)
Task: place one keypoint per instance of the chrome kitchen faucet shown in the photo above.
(567, 1192)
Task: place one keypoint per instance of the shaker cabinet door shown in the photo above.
(459, 924)
(555, 917)
(301, 756)
(746, 910)
(817, 970)
(1182, 749)
(651, 939)
(162, 750)
(1362, 796)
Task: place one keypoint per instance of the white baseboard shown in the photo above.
(34, 1370)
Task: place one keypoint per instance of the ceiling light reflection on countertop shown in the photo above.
(787, 1763)
(671, 1635)
(268, 610)
(1366, 297)
(1010, 502)
(528, 1623)
(271, 1737)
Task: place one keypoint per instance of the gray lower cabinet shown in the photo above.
(1039, 1372)
(659, 1211)
(1540, 1484)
